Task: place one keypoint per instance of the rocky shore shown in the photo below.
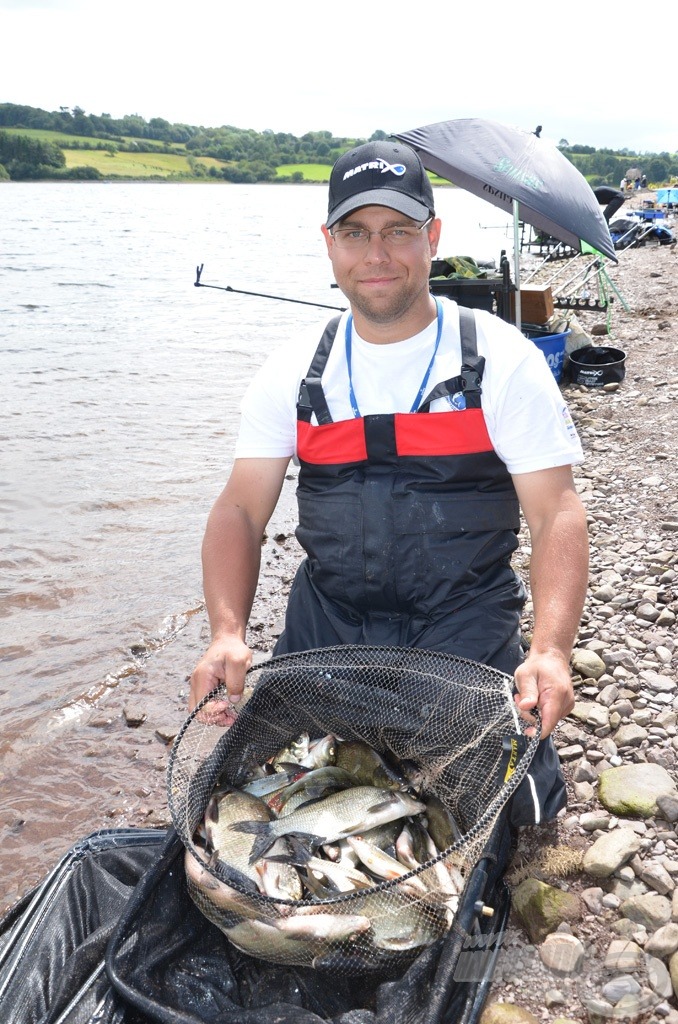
(594, 933)
(594, 929)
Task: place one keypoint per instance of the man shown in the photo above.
(611, 198)
(418, 433)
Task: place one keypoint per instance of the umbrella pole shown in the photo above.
(516, 262)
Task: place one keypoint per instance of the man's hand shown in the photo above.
(543, 681)
(226, 661)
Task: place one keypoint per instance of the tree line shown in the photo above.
(245, 155)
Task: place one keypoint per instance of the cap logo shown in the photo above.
(377, 165)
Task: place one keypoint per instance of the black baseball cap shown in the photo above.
(380, 174)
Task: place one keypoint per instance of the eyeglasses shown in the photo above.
(396, 237)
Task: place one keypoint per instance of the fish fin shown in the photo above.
(298, 852)
(313, 796)
(292, 767)
(383, 805)
(255, 828)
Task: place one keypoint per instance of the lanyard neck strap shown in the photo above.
(424, 383)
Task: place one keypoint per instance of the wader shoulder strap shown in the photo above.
(472, 367)
(311, 394)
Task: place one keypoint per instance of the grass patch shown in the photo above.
(321, 172)
(65, 141)
(129, 165)
(311, 172)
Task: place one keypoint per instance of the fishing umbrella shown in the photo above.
(518, 172)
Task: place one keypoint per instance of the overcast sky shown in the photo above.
(587, 72)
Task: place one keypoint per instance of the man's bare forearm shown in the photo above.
(231, 557)
(558, 578)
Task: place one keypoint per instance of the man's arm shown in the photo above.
(231, 556)
(558, 578)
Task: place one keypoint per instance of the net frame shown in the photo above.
(405, 703)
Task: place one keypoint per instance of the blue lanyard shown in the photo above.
(422, 388)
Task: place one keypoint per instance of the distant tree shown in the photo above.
(29, 159)
(657, 170)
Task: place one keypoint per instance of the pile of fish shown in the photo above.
(309, 841)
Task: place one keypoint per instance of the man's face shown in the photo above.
(385, 283)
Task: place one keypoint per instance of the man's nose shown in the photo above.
(376, 250)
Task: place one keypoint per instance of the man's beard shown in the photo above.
(382, 311)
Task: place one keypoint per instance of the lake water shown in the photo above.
(119, 391)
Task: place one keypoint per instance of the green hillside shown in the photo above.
(67, 144)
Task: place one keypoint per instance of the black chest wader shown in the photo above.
(409, 522)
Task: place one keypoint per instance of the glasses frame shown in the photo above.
(364, 243)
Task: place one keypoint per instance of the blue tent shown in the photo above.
(667, 195)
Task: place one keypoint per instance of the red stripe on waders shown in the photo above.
(331, 443)
(442, 433)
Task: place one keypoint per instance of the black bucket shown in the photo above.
(597, 365)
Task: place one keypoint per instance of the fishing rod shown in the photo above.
(259, 295)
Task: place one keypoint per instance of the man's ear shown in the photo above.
(329, 241)
(434, 234)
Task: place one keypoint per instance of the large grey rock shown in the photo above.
(630, 735)
(562, 953)
(623, 955)
(657, 877)
(587, 664)
(651, 910)
(610, 851)
(659, 977)
(664, 942)
(632, 789)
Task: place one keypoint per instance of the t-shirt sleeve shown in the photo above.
(527, 416)
(268, 410)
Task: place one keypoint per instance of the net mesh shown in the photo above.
(450, 723)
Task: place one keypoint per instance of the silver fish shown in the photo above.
(315, 785)
(232, 847)
(443, 879)
(294, 752)
(215, 897)
(368, 766)
(382, 865)
(342, 877)
(405, 849)
(296, 940)
(339, 815)
(278, 878)
(269, 785)
(402, 923)
(440, 823)
(321, 753)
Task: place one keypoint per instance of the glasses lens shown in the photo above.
(400, 236)
(358, 238)
(350, 238)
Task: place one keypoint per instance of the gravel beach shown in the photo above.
(616, 957)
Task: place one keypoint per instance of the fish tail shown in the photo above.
(263, 837)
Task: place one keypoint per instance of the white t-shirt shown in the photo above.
(527, 419)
